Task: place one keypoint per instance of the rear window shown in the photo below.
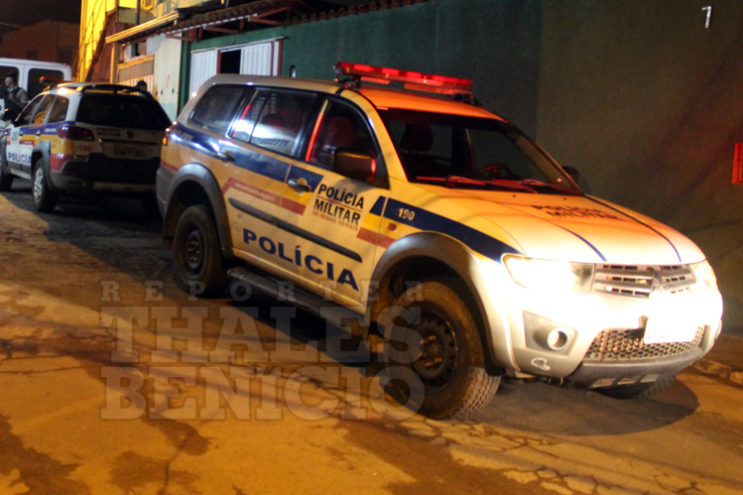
(122, 111)
(217, 108)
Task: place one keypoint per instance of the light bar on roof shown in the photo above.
(410, 79)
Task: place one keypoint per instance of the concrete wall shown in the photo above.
(646, 101)
(52, 41)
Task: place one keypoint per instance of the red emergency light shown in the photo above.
(410, 79)
(738, 164)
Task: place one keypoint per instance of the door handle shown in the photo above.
(300, 185)
(226, 157)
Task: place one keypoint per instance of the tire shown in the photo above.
(6, 179)
(431, 331)
(199, 268)
(641, 390)
(44, 198)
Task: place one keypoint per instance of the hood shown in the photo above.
(576, 228)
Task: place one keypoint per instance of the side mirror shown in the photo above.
(573, 173)
(356, 164)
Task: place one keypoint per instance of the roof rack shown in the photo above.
(114, 88)
(351, 74)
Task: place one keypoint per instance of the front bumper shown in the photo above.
(597, 374)
(602, 336)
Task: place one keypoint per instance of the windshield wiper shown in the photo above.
(458, 180)
(555, 187)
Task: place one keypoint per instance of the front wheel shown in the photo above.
(45, 199)
(199, 269)
(431, 331)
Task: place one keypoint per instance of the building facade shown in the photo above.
(51, 41)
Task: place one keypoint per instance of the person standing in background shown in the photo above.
(16, 97)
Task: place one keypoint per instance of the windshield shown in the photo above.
(472, 153)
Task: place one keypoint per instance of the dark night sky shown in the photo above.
(24, 12)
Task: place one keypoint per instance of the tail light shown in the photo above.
(70, 131)
(168, 130)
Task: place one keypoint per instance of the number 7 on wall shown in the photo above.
(708, 10)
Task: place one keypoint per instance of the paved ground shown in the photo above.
(114, 382)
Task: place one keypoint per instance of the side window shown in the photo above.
(6, 70)
(59, 110)
(243, 127)
(280, 119)
(26, 116)
(342, 128)
(217, 107)
(42, 110)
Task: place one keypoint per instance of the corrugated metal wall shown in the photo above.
(203, 66)
(261, 58)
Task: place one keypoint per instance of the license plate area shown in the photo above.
(665, 328)
(129, 151)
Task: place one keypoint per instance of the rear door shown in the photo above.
(266, 139)
(126, 127)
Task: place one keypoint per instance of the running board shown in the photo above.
(338, 315)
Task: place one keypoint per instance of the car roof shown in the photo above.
(380, 97)
(101, 87)
(281, 82)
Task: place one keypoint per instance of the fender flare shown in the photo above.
(201, 176)
(459, 259)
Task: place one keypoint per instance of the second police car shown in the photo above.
(84, 138)
(436, 224)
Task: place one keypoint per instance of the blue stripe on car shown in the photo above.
(425, 220)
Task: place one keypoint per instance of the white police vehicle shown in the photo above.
(84, 138)
(435, 223)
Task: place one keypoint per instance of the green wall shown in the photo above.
(493, 42)
(647, 102)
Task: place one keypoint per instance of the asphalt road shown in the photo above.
(112, 381)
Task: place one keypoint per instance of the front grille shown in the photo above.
(628, 345)
(640, 280)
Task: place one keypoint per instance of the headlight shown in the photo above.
(550, 275)
(705, 275)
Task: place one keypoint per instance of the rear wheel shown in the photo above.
(638, 390)
(45, 199)
(431, 331)
(199, 269)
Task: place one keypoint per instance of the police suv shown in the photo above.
(84, 138)
(435, 224)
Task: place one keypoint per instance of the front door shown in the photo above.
(333, 234)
